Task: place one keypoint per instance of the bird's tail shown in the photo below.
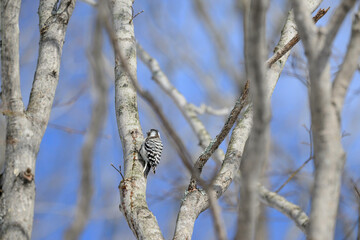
(147, 170)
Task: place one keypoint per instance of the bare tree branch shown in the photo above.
(12, 225)
(288, 33)
(185, 107)
(319, 45)
(25, 129)
(85, 192)
(179, 145)
(291, 210)
(167, 126)
(10, 84)
(160, 77)
(257, 148)
(329, 156)
(132, 190)
(294, 40)
(348, 67)
(336, 20)
(311, 157)
(202, 109)
(307, 29)
(196, 202)
(52, 35)
(214, 144)
(215, 209)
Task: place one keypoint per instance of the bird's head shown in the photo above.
(153, 133)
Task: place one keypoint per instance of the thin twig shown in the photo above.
(357, 193)
(303, 165)
(74, 131)
(118, 170)
(350, 230)
(293, 175)
(135, 16)
(355, 188)
(73, 99)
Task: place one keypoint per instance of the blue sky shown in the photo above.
(165, 29)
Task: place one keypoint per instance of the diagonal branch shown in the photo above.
(189, 112)
(294, 40)
(186, 108)
(196, 201)
(184, 154)
(291, 210)
(185, 157)
(336, 20)
(202, 109)
(331, 31)
(311, 157)
(214, 144)
(348, 67)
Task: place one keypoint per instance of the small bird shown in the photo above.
(150, 151)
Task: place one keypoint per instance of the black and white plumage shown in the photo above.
(150, 151)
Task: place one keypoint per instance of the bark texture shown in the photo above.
(133, 188)
(25, 129)
(329, 156)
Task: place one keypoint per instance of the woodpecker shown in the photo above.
(150, 151)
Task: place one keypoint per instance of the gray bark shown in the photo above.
(329, 156)
(291, 210)
(25, 129)
(348, 67)
(133, 188)
(196, 202)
